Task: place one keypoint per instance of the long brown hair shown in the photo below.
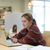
(28, 16)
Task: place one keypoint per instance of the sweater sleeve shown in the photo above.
(21, 34)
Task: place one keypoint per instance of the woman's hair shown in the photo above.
(28, 16)
(14, 29)
(34, 21)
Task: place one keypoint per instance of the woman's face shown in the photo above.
(25, 22)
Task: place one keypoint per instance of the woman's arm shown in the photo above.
(20, 35)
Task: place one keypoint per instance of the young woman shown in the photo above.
(30, 34)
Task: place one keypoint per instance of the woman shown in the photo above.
(30, 34)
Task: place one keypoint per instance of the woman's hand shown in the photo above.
(14, 40)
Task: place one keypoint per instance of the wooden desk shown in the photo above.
(23, 47)
(4, 48)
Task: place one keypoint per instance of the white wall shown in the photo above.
(14, 17)
(19, 7)
(11, 19)
(26, 6)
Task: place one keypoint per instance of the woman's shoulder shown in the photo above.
(34, 28)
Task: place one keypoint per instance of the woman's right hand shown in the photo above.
(14, 40)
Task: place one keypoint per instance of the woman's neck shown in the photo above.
(29, 26)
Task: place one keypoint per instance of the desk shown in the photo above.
(4, 48)
(23, 47)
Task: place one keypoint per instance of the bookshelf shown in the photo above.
(2, 20)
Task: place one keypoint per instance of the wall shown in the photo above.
(26, 6)
(15, 16)
(11, 19)
(17, 5)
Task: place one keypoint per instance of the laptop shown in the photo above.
(5, 42)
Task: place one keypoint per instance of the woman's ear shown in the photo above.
(31, 21)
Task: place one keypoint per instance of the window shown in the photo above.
(41, 12)
(38, 14)
(47, 16)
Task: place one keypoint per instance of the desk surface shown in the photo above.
(4, 48)
(24, 47)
